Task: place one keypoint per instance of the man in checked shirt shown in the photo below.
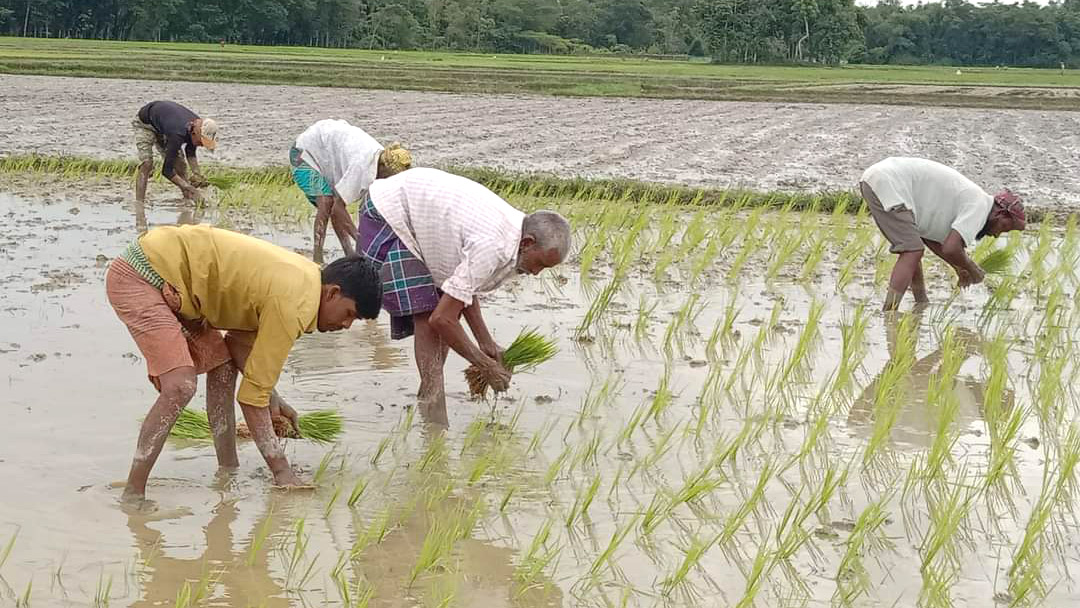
(441, 240)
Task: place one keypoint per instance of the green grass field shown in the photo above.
(554, 75)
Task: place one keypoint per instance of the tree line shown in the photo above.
(952, 32)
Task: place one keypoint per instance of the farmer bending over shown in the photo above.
(442, 240)
(917, 202)
(168, 127)
(334, 163)
(175, 287)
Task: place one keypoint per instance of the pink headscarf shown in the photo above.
(1011, 204)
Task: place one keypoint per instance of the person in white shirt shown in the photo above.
(917, 202)
(443, 240)
(334, 163)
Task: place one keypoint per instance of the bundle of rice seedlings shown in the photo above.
(320, 426)
(527, 351)
(222, 182)
(998, 261)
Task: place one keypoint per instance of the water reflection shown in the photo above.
(188, 212)
(225, 561)
(477, 574)
(917, 420)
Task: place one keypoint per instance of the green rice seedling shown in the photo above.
(588, 452)
(509, 494)
(735, 521)
(599, 306)
(751, 244)
(357, 492)
(333, 501)
(1003, 422)
(888, 399)
(814, 256)
(632, 423)
(694, 489)
(783, 254)
(193, 595)
(692, 555)
(643, 317)
(1026, 582)
(319, 426)
(437, 546)
(765, 332)
(374, 532)
(853, 253)
(23, 601)
(606, 557)
(704, 261)
(556, 465)
(1035, 270)
(853, 336)
(852, 577)
(795, 369)
(324, 466)
(294, 558)
(380, 450)
(8, 547)
(998, 261)
(261, 534)
(662, 398)
(949, 506)
(103, 591)
(683, 318)
(940, 394)
(538, 558)
(595, 399)
(583, 500)
(755, 576)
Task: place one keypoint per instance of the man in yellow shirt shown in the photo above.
(175, 287)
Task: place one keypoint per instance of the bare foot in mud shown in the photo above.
(288, 480)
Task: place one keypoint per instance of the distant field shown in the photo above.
(537, 74)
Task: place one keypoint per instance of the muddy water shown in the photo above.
(756, 145)
(74, 388)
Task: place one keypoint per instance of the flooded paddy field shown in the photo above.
(729, 422)
(754, 145)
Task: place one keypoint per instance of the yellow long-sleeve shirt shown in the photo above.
(239, 282)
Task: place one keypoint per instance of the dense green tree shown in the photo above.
(956, 32)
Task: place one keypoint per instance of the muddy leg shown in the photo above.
(140, 182)
(177, 389)
(343, 226)
(431, 353)
(220, 409)
(902, 275)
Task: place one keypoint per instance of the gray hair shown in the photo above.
(550, 231)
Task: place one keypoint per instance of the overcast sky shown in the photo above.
(873, 2)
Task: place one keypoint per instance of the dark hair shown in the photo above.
(359, 281)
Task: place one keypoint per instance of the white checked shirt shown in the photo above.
(467, 235)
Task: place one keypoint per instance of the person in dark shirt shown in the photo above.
(168, 127)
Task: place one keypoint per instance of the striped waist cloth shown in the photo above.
(134, 255)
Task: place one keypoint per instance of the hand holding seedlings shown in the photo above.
(527, 351)
(969, 276)
(280, 409)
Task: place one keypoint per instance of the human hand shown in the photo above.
(976, 275)
(497, 376)
(493, 350)
(193, 194)
(287, 412)
(198, 180)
